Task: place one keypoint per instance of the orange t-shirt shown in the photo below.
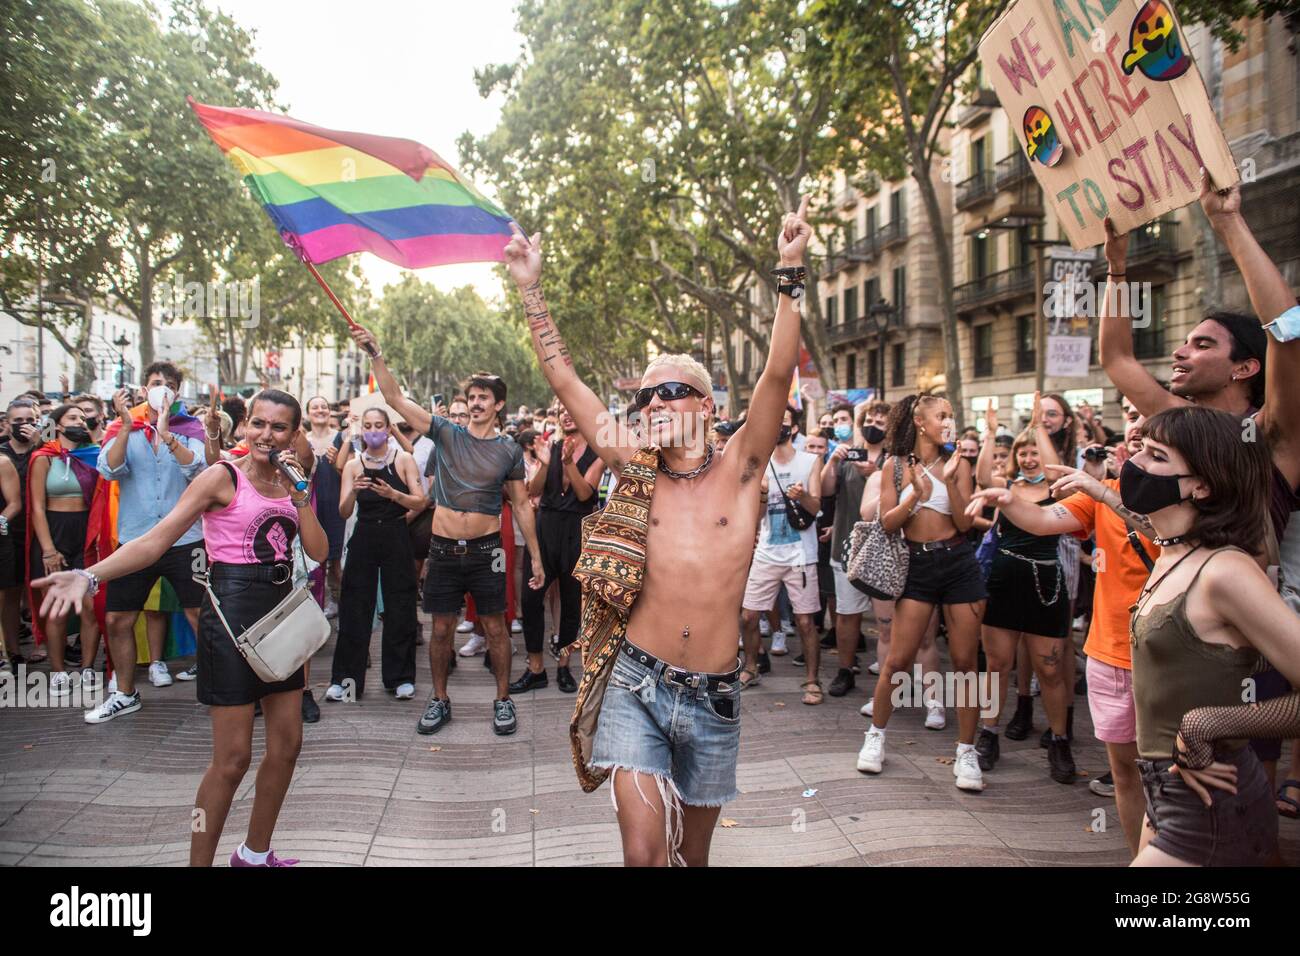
(1120, 577)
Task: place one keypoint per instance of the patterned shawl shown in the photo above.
(610, 570)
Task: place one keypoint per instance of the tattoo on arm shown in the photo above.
(1138, 522)
(1059, 511)
(550, 346)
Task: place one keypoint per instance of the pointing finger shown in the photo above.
(803, 208)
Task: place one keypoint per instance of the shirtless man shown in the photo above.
(466, 553)
(682, 629)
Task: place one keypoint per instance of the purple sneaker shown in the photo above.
(271, 860)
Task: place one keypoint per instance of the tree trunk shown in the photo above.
(146, 312)
(84, 375)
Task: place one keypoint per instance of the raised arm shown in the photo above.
(411, 410)
(1069, 481)
(1270, 296)
(1047, 453)
(1115, 342)
(984, 465)
(757, 437)
(1054, 519)
(602, 430)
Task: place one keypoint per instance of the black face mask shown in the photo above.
(972, 459)
(76, 434)
(92, 423)
(784, 435)
(1145, 493)
(874, 434)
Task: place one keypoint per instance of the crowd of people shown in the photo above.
(672, 553)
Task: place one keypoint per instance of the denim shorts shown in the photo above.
(1237, 829)
(687, 735)
(458, 567)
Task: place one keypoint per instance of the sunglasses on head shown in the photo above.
(667, 392)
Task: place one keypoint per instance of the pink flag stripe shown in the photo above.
(419, 252)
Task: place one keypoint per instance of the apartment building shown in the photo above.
(1007, 242)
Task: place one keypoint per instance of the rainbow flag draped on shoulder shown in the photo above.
(332, 193)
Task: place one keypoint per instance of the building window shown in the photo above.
(851, 304)
(851, 372)
(1148, 342)
(832, 311)
(983, 346)
(850, 232)
(873, 220)
(980, 258)
(896, 211)
(898, 377)
(871, 290)
(1026, 355)
(900, 294)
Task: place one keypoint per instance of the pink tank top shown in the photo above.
(252, 529)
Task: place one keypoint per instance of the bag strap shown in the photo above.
(1136, 542)
(778, 479)
(205, 580)
(898, 475)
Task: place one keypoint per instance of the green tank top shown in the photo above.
(61, 481)
(1174, 671)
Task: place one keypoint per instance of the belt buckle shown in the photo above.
(937, 546)
(460, 547)
(275, 575)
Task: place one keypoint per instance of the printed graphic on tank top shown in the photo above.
(778, 542)
(252, 529)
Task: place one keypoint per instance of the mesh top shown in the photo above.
(468, 472)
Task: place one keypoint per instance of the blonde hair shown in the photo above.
(695, 371)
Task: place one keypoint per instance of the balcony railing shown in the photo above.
(976, 189)
(995, 287)
(1012, 169)
(981, 101)
(860, 250)
(1154, 240)
(891, 233)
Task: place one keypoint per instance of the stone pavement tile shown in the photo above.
(753, 776)
(429, 820)
(51, 855)
(1115, 856)
(589, 844)
(500, 850)
(1069, 832)
(818, 842)
(875, 831)
(449, 786)
(38, 819)
(945, 856)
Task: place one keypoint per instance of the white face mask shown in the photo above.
(161, 397)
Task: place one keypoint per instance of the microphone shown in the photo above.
(289, 468)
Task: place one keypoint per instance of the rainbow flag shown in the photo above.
(333, 193)
(794, 398)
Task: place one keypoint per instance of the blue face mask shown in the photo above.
(1033, 481)
(843, 432)
(949, 447)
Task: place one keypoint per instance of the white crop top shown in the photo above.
(938, 500)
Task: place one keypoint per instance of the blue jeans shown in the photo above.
(687, 736)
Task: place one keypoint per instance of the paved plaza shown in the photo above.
(369, 791)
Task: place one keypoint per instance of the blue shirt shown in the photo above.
(151, 485)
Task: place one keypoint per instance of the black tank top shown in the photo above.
(555, 497)
(1040, 547)
(372, 506)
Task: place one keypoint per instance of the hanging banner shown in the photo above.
(1106, 102)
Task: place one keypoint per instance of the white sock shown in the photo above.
(879, 730)
(962, 748)
(248, 856)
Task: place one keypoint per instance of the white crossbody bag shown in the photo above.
(281, 641)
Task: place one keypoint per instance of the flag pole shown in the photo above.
(352, 323)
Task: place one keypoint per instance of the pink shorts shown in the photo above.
(1110, 699)
(765, 581)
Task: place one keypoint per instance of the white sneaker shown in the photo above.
(867, 709)
(60, 684)
(190, 673)
(874, 668)
(872, 755)
(516, 626)
(464, 627)
(159, 675)
(935, 718)
(335, 693)
(966, 768)
(117, 705)
(404, 691)
(477, 644)
(778, 644)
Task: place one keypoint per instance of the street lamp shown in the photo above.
(881, 314)
(121, 342)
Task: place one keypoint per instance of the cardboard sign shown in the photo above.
(1068, 355)
(1108, 106)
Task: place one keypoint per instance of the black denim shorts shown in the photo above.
(1235, 830)
(458, 567)
(950, 576)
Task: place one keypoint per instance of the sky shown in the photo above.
(393, 68)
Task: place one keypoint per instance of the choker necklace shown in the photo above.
(694, 473)
(1169, 542)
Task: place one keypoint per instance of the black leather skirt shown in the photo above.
(247, 593)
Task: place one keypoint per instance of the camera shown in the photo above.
(1094, 453)
(857, 454)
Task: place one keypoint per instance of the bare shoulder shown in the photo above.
(1232, 574)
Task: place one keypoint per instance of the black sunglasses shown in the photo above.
(667, 391)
